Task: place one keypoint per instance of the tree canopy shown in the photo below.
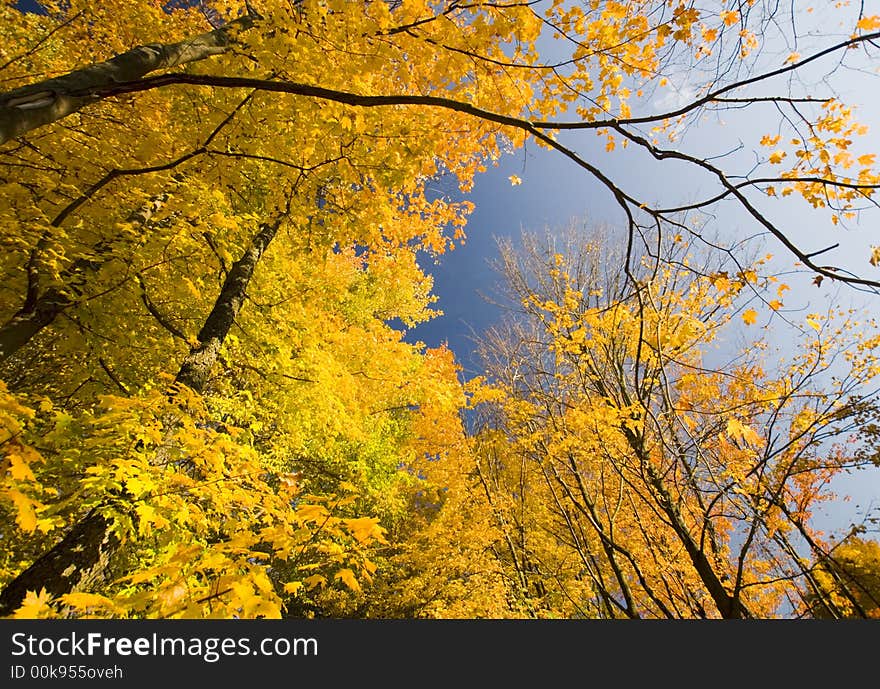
(213, 217)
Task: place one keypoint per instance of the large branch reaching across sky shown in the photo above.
(20, 110)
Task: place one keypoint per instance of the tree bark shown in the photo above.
(44, 102)
(197, 365)
(83, 555)
(80, 558)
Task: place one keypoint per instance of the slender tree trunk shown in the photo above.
(197, 365)
(24, 325)
(44, 102)
(729, 607)
(87, 550)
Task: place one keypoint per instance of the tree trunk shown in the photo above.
(35, 105)
(80, 558)
(197, 365)
(729, 607)
(83, 555)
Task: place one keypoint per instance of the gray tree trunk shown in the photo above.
(44, 102)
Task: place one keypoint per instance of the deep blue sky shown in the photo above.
(554, 192)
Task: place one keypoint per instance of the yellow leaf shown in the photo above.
(312, 513)
(750, 316)
(514, 180)
(314, 580)
(27, 516)
(34, 606)
(83, 601)
(190, 286)
(46, 525)
(777, 156)
(348, 578)
(814, 323)
(736, 429)
(148, 518)
(171, 595)
(19, 468)
(365, 528)
(218, 220)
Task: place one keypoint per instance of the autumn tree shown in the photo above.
(212, 217)
(482, 59)
(206, 357)
(633, 474)
(847, 580)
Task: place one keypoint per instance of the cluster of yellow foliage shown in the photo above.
(212, 219)
(631, 478)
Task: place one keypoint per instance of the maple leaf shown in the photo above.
(365, 529)
(35, 606)
(18, 467)
(85, 601)
(293, 587)
(347, 577)
(314, 580)
(749, 316)
(738, 430)
(729, 17)
(26, 516)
